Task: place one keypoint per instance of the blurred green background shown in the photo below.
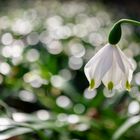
(44, 95)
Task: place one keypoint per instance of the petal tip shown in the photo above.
(92, 84)
(128, 85)
(110, 85)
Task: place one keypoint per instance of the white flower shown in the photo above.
(111, 66)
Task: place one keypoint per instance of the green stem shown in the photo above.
(6, 107)
(134, 22)
(116, 32)
(39, 133)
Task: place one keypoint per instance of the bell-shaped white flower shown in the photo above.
(111, 66)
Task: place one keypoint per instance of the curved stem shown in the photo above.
(6, 107)
(116, 32)
(134, 22)
(40, 134)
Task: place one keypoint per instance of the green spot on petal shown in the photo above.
(92, 84)
(110, 85)
(127, 85)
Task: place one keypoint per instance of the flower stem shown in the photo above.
(39, 133)
(6, 107)
(116, 32)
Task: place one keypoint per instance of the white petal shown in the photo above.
(89, 72)
(113, 75)
(118, 58)
(126, 62)
(99, 65)
(104, 64)
(96, 57)
(111, 66)
(126, 80)
(90, 69)
(128, 71)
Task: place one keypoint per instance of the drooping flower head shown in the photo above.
(111, 66)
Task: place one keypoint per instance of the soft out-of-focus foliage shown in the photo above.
(44, 47)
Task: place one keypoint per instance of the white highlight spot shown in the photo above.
(90, 94)
(134, 107)
(27, 96)
(73, 119)
(32, 55)
(57, 81)
(137, 78)
(63, 101)
(75, 63)
(7, 39)
(43, 115)
(5, 68)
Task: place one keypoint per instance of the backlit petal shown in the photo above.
(99, 65)
(111, 66)
(119, 59)
(113, 75)
(126, 61)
